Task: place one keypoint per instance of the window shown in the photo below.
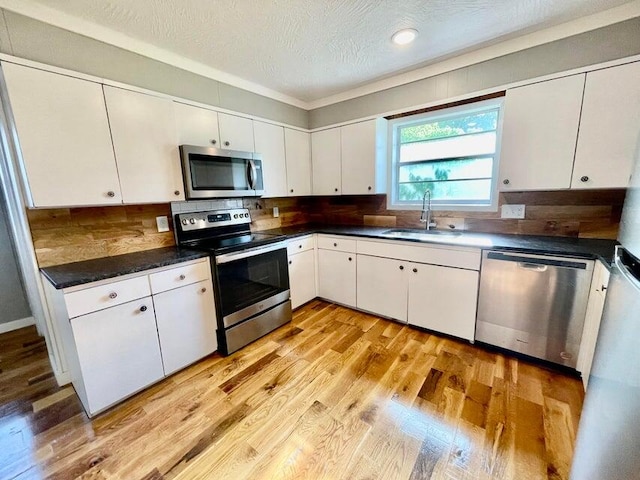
(450, 152)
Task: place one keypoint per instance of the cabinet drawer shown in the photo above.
(458, 257)
(97, 298)
(178, 277)
(341, 244)
(301, 244)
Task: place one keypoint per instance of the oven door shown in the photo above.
(213, 172)
(251, 281)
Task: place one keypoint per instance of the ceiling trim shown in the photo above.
(568, 29)
(30, 8)
(48, 15)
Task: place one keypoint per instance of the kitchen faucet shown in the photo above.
(425, 217)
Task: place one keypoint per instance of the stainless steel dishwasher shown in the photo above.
(533, 304)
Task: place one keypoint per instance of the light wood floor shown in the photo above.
(336, 394)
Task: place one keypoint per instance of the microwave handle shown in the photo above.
(251, 174)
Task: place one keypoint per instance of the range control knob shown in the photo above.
(192, 221)
(246, 215)
(235, 215)
(184, 221)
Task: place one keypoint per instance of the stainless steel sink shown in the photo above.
(426, 236)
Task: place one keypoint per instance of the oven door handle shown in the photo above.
(249, 252)
(251, 174)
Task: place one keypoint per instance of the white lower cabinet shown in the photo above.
(118, 352)
(186, 324)
(443, 299)
(382, 286)
(302, 277)
(337, 276)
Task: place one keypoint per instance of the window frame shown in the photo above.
(437, 115)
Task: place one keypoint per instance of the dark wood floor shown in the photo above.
(335, 394)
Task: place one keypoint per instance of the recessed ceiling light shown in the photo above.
(403, 37)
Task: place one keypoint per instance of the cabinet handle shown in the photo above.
(111, 194)
(203, 289)
(182, 277)
(584, 179)
(113, 295)
(290, 262)
(401, 267)
(603, 288)
(299, 246)
(415, 270)
(506, 181)
(335, 189)
(335, 244)
(214, 141)
(292, 190)
(176, 192)
(143, 308)
(226, 144)
(369, 188)
(350, 259)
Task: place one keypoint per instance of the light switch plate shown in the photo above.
(276, 212)
(162, 223)
(512, 211)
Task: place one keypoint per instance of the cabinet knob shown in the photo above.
(226, 144)
(584, 179)
(401, 267)
(292, 190)
(335, 244)
(335, 189)
(176, 192)
(290, 262)
(111, 194)
(182, 277)
(143, 308)
(415, 270)
(214, 141)
(603, 287)
(113, 295)
(299, 246)
(506, 181)
(369, 188)
(203, 289)
(350, 259)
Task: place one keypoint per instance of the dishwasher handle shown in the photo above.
(533, 263)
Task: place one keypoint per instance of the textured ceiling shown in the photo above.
(310, 49)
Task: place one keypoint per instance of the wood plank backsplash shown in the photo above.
(72, 234)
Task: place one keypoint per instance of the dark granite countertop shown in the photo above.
(569, 246)
(87, 271)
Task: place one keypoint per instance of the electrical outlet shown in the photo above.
(276, 212)
(162, 223)
(512, 211)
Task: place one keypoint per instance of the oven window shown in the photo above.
(247, 281)
(218, 173)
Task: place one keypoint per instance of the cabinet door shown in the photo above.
(302, 277)
(539, 134)
(298, 159)
(146, 146)
(196, 126)
(358, 164)
(118, 352)
(382, 286)
(325, 161)
(64, 137)
(337, 276)
(269, 140)
(608, 128)
(236, 133)
(186, 320)
(443, 299)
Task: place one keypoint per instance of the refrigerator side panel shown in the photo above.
(629, 235)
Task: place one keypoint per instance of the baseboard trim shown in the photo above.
(16, 324)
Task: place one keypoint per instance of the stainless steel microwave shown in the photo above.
(215, 173)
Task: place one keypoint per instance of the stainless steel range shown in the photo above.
(250, 272)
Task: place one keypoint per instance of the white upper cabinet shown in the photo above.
(608, 128)
(297, 146)
(269, 142)
(196, 126)
(363, 156)
(146, 146)
(236, 133)
(64, 138)
(540, 129)
(325, 160)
